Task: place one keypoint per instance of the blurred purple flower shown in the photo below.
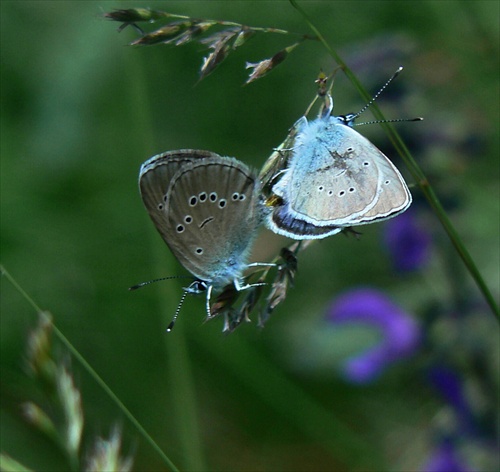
(449, 385)
(401, 333)
(445, 459)
(407, 242)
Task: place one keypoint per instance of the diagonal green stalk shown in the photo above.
(98, 379)
(414, 169)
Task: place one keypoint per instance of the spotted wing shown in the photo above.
(339, 178)
(155, 176)
(212, 213)
(394, 196)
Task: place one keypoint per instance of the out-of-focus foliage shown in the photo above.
(81, 111)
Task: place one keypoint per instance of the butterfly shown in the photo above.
(207, 208)
(331, 178)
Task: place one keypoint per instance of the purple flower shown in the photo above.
(401, 333)
(449, 385)
(407, 242)
(445, 459)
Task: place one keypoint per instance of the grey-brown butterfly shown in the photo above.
(207, 208)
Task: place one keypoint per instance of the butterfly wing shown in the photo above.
(331, 179)
(154, 179)
(394, 196)
(212, 213)
(278, 160)
(337, 177)
(282, 221)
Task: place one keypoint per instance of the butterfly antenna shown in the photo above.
(397, 120)
(142, 284)
(170, 327)
(377, 95)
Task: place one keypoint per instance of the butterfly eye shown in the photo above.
(242, 197)
(341, 193)
(366, 163)
(235, 196)
(352, 189)
(193, 201)
(202, 196)
(188, 219)
(199, 251)
(321, 188)
(222, 203)
(213, 197)
(180, 228)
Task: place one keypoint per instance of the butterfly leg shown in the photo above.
(239, 287)
(262, 264)
(209, 294)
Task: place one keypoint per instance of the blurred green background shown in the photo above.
(81, 111)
